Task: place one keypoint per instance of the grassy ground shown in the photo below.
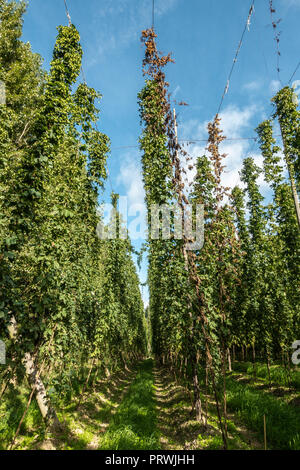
(87, 425)
(83, 424)
(12, 407)
(144, 408)
(278, 374)
(251, 400)
(119, 413)
(247, 403)
(177, 425)
(134, 424)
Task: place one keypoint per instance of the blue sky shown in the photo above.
(203, 37)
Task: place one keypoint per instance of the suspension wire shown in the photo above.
(251, 149)
(67, 13)
(228, 139)
(190, 141)
(85, 82)
(83, 75)
(193, 141)
(153, 7)
(294, 73)
(276, 37)
(246, 28)
(109, 179)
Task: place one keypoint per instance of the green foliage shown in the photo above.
(289, 120)
(282, 242)
(75, 297)
(166, 277)
(282, 420)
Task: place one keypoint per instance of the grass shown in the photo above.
(11, 411)
(133, 426)
(277, 373)
(86, 425)
(123, 413)
(180, 430)
(283, 420)
(81, 424)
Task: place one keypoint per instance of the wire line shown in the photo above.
(67, 12)
(193, 141)
(153, 5)
(247, 25)
(295, 71)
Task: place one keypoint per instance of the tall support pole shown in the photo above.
(36, 384)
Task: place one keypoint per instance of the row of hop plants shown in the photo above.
(241, 290)
(70, 303)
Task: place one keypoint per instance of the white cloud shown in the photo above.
(234, 123)
(252, 86)
(234, 120)
(163, 6)
(274, 86)
(135, 212)
(122, 22)
(131, 177)
(291, 2)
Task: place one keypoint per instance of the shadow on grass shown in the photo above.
(283, 420)
(12, 407)
(134, 424)
(81, 424)
(86, 424)
(178, 428)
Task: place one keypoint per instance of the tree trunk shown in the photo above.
(229, 360)
(3, 388)
(268, 365)
(197, 399)
(185, 368)
(206, 395)
(254, 360)
(224, 390)
(88, 376)
(33, 375)
(96, 374)
(289, 371)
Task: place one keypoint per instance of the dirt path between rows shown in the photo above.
(177, 425)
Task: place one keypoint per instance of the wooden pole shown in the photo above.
(197, 399)
(33, 375)
(22, 419)
(265, 432)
